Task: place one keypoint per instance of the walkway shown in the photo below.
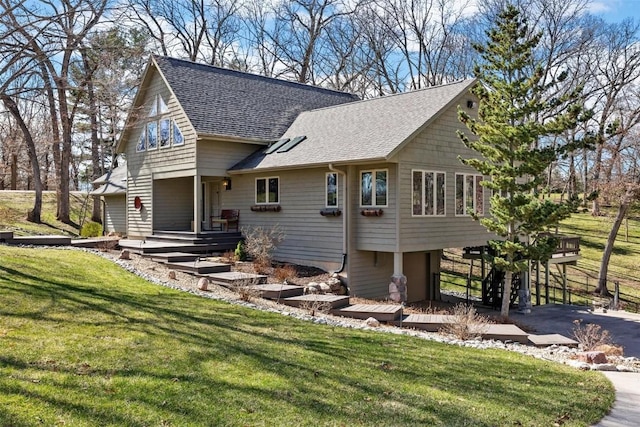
(625, 329)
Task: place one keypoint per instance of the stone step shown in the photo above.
(200, 267)
(381, 312)
(325, 300)
(279, 291)
(235, 278)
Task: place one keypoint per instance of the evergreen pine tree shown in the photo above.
(514, 146)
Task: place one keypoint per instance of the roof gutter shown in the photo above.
(345, 197)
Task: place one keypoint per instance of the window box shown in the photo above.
(331, 212)
(371, 212)
(266, 208)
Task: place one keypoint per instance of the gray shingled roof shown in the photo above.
(219, 101)
(360, 131)
(113, 182)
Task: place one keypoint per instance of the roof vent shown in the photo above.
(295, 141)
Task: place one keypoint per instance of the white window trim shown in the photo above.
(149, 148)
(464, 194)
(170, 143)
(435, 196)
(266, 179)
(326, 191)
(373, 192)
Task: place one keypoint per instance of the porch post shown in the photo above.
(398, 284)
(197, 204)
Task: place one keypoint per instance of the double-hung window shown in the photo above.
(373, 188)
(469, 194)
(267, 190)
(428, 189)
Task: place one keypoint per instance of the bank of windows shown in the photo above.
(331, 190)
(428, 193)
(159, 131)
(469, 194)
(267, 190)
(373, 188)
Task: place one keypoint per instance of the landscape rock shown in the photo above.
(372, 322)
(125, 254)
(203, 284)
(172, 275)
(324, 288)
(593, 357)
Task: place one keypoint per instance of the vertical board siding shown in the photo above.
(437, 148)
(370, 274)
(173, 199)
(115, 214)
(310, 238)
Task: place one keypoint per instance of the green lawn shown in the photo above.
(14, 206)
(83, 342)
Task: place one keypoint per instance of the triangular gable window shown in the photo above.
(142, 142)
(178, 139)
(154, 109)
(162, 106)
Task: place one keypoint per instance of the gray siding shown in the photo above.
(437, 148)
(310, 238)
(115, 214)
(375, 233)
(173, 200)
(141, 165)
(216, 157)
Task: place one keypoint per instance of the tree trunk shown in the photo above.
(96, 214)
(33, 215)
(611, 239)
(506, 294)
(14, 171)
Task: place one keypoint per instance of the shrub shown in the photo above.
(246, 289)
(91, 229)
(591, 335)
(240, 253)
(260, 243)
(285, 273)
(229, 257)
(467, 323)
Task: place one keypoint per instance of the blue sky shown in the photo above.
(616, 10)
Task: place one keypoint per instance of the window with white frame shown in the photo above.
(428, 189)
(159, 130)
(373, 188)
(469, 194)
(267, 190)
(332, 190)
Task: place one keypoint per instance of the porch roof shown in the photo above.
(370, 130)
(112, 183)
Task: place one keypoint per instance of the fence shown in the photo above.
(577, 288)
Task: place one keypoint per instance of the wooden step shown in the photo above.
(427, 322)
(172, 257)
(41, 240)
(235, 278)
(279, 291)
(329, 301)
(200, 267)
(503, 332)
(552, 339)
(381, 312)
(6, 236)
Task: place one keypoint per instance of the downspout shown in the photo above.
(344, 216)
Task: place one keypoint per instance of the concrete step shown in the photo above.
(278, 291)
(199, 267)
(329, 301)
(381, 312)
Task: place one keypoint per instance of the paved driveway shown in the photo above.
(558, 319)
